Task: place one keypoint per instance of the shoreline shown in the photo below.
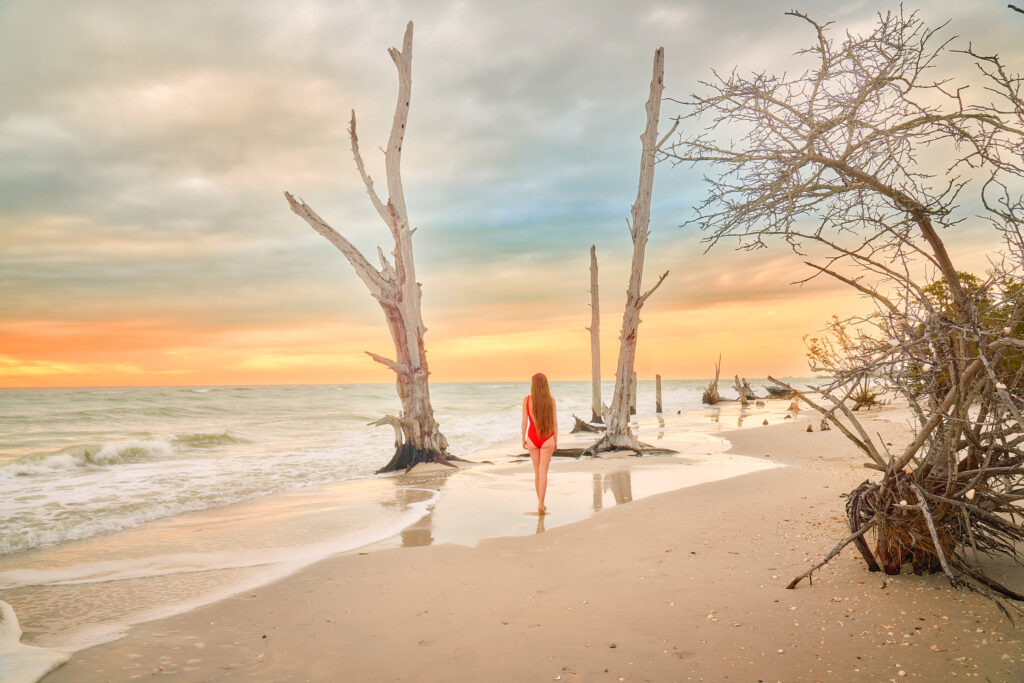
(682, 585)
(134, 562)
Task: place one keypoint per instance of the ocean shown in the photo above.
(124, 504)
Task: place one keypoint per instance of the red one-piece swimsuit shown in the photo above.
(531, 433)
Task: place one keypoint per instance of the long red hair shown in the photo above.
(542, 405)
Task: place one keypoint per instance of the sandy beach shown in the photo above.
(683, 585)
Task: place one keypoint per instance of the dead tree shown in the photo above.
(618, 434)
(632, 394)
(710, 396)
(744, 398)
(834, 156)
(394, 286)
(595, 342)
(751, 396)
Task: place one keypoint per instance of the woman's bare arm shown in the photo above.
(554, 408)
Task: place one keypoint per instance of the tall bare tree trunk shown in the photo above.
(394, 286)
(632, 394)
(618, 434)
(595, 341)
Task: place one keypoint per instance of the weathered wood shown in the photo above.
(595, 342)
(657, 394)
(751, 396)
(581, 426)
(632, 394)
(835, 551)
(394, 285)
(619, 434)
(710, 396)
(740, 391)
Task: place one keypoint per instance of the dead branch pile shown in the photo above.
(746, 394)
(832, 158)
(710, 396)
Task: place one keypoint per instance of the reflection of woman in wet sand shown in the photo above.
(540, 433)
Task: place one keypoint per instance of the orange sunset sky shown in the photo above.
(144, 239)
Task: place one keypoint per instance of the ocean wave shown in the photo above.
(80, 456)
(208, 439)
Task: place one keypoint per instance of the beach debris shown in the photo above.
(765, 421)
(394, 286)
(743, 389)
(581, 426)
(710, 396)
(779, 392)
(809, 428)
(618, 436)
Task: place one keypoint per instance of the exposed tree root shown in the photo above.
(408, 456)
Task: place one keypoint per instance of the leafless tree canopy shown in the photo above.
(865, 160)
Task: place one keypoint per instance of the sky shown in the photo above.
(144, 149)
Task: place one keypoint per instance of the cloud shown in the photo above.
(146, 146)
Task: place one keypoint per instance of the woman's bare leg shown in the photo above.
(535, 459)
(540, 468)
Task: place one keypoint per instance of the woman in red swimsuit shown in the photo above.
(540, 433)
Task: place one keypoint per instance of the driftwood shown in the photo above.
(581, 426)
(710, 396)
(393, 285)
(618, 435)
(595, 342)
(779, 392)
(746, 394)
(644, 449)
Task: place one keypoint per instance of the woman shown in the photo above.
(540, 433)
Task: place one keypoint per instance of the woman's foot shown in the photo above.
(542, 510)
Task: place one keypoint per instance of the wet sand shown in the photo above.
(683, 585)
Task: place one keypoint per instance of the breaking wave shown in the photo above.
(208, 439)
(89, 455)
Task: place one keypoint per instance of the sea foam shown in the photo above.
(21, 663)
(132, 597)
(86, 455)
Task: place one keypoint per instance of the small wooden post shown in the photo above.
(595, 342)
(657, 394)
(632, 394)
